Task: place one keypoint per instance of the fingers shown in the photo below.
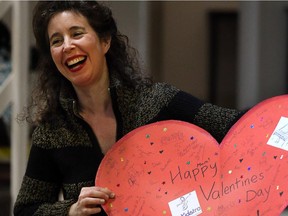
(88, 210)
(90, 199)
(107, 191)
(96, 192)
(79, 209)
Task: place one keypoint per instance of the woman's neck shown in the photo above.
(94, 99)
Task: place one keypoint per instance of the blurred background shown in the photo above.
(230, 53)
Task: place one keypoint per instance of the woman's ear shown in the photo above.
(106, 43)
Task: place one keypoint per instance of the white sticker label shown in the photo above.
(279, 137)
(186, 205)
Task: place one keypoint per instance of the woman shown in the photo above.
(91, 93)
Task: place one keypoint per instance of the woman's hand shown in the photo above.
(89, 201)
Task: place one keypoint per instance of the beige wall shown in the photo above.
(185, 44)
(262, 51)
(177, 45)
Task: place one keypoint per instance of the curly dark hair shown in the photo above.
(121, 58)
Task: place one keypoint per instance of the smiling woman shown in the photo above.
(91, 92)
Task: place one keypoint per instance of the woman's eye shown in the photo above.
(77, 34)
(56, 42)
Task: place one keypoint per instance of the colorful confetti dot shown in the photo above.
(252, 126)
(249, 168)
(121, 159)
(281, 157)
(126, 209)
(188, 162)
(235, 145)
(267, 135)
(165, 129)
(277, 188)
(264, 153)
(230, 171)
(111, 205)
(147, 136)
(164, 212)
(209, 208)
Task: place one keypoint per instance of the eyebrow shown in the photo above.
(72, 28)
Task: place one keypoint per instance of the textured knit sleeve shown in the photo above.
(40, 187)
(214, 119)
(217, 120)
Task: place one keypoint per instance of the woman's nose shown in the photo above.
(68, 45)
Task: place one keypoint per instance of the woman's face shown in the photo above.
(76, 49)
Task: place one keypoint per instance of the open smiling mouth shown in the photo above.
(74, 63)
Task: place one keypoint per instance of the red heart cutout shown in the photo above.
(176, 168)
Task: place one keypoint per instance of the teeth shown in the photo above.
(75, 61)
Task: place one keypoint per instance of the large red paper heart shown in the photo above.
(176, 168)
